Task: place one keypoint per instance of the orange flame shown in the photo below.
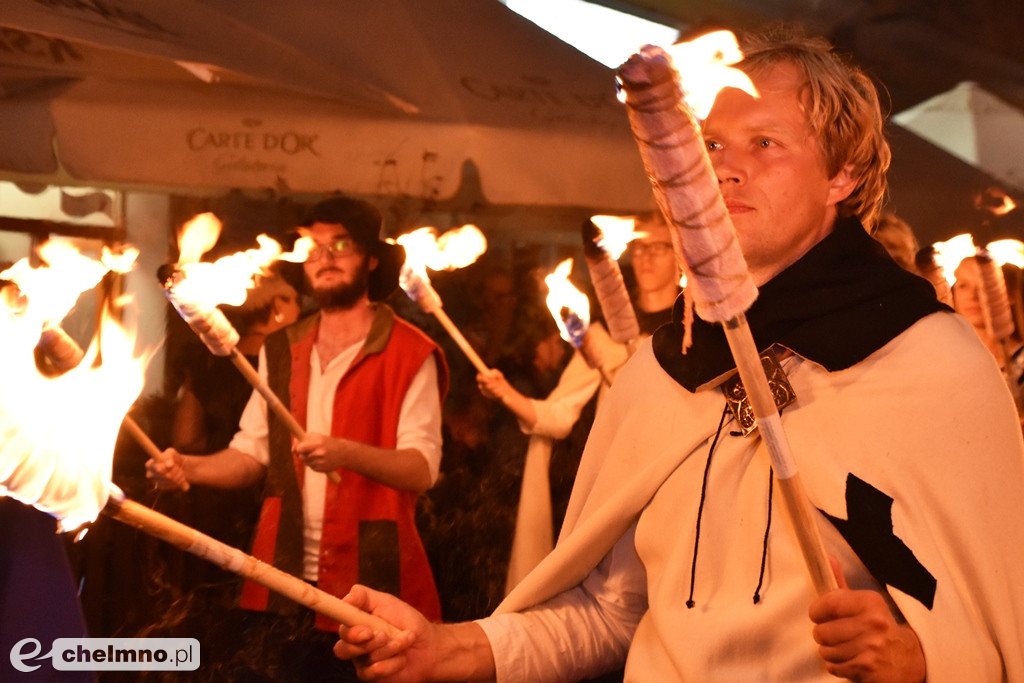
(704, 68)
(53, 295)
(455, 248)
(616, 233)
(301, 250)
(57, 434)
(228, 279)
(1007, 251)
(950, 253)
(569, 306)
(198, 235)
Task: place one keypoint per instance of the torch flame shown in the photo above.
(198, 235)
(1007, 251)
(950, 253)
(54, 289)
(704, 68)
(228, 279)
(569, 306)
(57, 434)
(301, 251)
(455, 248)
(616, 233)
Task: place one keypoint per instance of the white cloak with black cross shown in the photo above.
(914, 456)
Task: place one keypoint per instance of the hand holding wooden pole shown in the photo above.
(273, 402)
(686, 189)
(221, 338)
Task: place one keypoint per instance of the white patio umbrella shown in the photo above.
(975, 126)
(390, 97)
(110, 37)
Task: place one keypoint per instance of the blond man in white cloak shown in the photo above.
(675, 559)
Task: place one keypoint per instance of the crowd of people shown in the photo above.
(674, 558)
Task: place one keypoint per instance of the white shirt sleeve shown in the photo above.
(578, 634)
(557, 413)
(419, 421)
(252, 435)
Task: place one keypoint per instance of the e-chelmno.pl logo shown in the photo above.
(109, 654)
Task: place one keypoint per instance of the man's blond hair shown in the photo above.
(842, 109)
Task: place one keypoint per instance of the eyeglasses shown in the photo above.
(652, 248)
(339, 247)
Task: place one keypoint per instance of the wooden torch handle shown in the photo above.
(460, 339)
(151, 449)
(232, 559)
(769, 424)
(275, 404)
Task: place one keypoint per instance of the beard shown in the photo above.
(345, 295)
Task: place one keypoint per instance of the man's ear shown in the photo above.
(842, 185)
(374, 262)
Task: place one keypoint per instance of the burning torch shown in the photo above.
(195, 289)
(604, 240)
(571, 310)
(663, 119)
(928, 264)
(63, 467)
(994, 297)
(65, 353)
(1010, 253)
(995, 303)
(78, 273)
(59, 466)
(938, 263)
(999, 318)
(454, 249)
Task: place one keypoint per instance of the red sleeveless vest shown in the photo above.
(369, 530)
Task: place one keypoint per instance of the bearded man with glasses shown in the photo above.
(367, 387)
